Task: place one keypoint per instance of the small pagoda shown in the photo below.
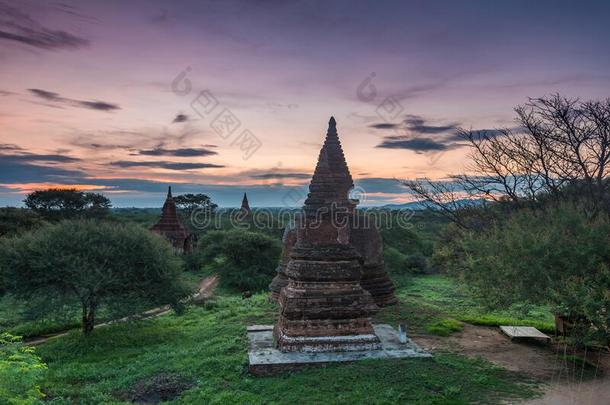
(170, 226)
(245, 206)
(323, 308)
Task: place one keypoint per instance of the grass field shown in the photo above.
(426, 300)
(200, 357)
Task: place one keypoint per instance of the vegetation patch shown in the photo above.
(206, 348)
(21, 372)
(425, 300)
(444, 327)
(159, 388)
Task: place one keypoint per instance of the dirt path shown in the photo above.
(543, 362)
(205, 291)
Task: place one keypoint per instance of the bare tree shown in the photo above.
(559, 143)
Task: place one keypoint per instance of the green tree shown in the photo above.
(122, 268)
(558, 256)
(190, 202)
(195, 210)
(56, 204)
(21, 371)
(246, 261)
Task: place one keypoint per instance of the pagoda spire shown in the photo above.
(169, 192)
(245, 206)
(331, 181)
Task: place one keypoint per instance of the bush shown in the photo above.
(14, 221)
(400, 263)
(556, 256)
(21, 371)
(123, 269)
(416, 263)
(395, 262)
(246, 261)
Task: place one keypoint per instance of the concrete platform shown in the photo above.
(267, 360)
(524, 332)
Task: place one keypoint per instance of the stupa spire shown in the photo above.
(169, 192)
(331, 181)
(245, 206)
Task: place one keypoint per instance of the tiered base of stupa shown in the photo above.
(279, 281)
(266, 359)
(323, 307)
(376, 281)
(367, 241)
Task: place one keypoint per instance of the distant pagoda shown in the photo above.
(245, 206)
(323, 307)
(170, 226)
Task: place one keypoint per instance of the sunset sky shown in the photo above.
(126, 98)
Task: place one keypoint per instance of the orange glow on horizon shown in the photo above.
(31, 187)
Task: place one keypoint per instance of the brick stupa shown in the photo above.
(281, 280)
(323, 308)
(170, 226)
(365, 237)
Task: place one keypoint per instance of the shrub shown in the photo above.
(246, 261)
(400, 263)
(395, 262)
(556, 256)
(122, 268)
(21, 371)
(14, 221)
(416, 263)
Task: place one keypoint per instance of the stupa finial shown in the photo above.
(169, 192)
(332, 125)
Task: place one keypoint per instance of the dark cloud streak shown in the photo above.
(180, 118)
(165, 165)
(267, 176)
(53, 97)
(17, 26)
(182, 152)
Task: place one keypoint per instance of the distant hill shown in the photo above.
(422, 205)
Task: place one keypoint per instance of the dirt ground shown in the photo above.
(542, 361)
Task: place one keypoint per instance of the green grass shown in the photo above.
(444, 327)
(426, 299)
(207, 347)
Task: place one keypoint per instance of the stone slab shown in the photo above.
(265, 359)
(523, 332)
